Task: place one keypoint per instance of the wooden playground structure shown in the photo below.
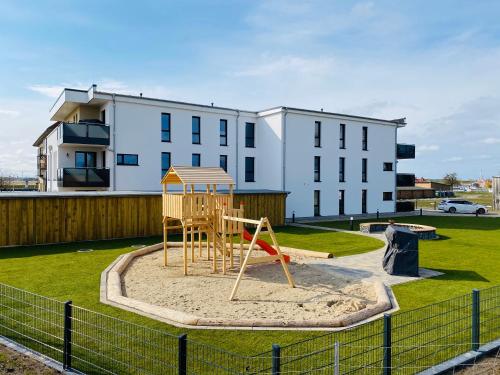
(210, 213)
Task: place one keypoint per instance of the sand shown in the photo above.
(263, 293)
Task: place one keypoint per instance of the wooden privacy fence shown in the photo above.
(41, 218)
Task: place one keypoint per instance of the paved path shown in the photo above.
(367, 266)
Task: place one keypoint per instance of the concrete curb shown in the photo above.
(111, 293)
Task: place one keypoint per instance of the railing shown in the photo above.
(405, 151)
(83, 177)
(42, 162)
(85, 133)
(402, 343)
(405, 180)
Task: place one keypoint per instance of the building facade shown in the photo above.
(329, 163)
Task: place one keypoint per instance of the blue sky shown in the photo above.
(435, 62)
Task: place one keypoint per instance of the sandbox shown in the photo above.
(424, 232)
(144, 285)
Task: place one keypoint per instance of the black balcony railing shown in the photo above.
(83, 177)
(85, 133)
(405, 151)
(405, 180)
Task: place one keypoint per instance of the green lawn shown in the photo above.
(479, 197)
(467, 252)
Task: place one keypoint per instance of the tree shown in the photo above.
(451, 179)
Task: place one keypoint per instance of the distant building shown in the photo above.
(437, 186)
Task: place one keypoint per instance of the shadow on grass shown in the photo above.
(460, 275)
(54, 249)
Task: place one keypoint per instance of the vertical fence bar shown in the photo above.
(276, 358)
(183, 354)
(67, 335)
(336, 361)
(387, 345)
(476, 323)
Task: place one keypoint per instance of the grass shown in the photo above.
(479, 197)
(467, 252)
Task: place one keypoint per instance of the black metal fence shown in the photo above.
(402, 343)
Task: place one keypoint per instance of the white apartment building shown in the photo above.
(329, 163)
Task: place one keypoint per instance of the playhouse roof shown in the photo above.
(197, 175)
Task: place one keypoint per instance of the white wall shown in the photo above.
(300, 152)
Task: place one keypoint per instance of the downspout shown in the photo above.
(114, 143)
(237, 147)
(283, 150)
(395, 168)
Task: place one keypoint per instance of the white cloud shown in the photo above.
(286, 65)
(47, 90)
(9, 113)
(424, 148)
(491, 140)
(454, 159)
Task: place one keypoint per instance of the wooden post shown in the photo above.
(224, 248)
(207, 213)
(192, 226)
(214, 232)
(200, 253)
(241, 226)
(184, 231)
(165, 254)
(282, 259)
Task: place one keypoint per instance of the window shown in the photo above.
(249, 169)
(364, 170)
(387, 196)
(365, 138)
(341, 169)
(342, 135)
(196, 126)
(127, 159)
(388, 167)
(196, 160)
(317, 169)
(364, 194)
(103, 116)
(223, 162)
(223, 132)
(165, 162)
(85, 159)
(165, 127)
(249, 134)
(341, 202)
(316, 202)
(317, 134)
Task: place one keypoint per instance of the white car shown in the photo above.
(461, 206)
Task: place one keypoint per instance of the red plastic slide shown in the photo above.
(264, 246)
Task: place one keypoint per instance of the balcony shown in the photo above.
(42, 162)
(405, 180)
(405, 151)
(84, 133)
(83, 177)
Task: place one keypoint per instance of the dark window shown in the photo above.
(364, 170)
(165, 162)
(249, 169)
(249, 134)
(316, 203)
(317, 134)
(103, 116)
(196, 125)
(223, 132)
(223, 162)
(165, 127)
(341, 202)
(342, 135)
(387, 195)
(196, 160)
(341, 169)
(85, 159)
(365, 138)
(363, 201)
(317, 169)
(127, 159)
(388, 167)
(104, 159)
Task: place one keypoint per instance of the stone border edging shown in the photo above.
(111, 293)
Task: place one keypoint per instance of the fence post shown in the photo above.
(476, 322)
(183, 354)
(336, 369)
(387, 345)
(276, 358)
(68, 313)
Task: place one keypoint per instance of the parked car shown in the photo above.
(461, 206)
